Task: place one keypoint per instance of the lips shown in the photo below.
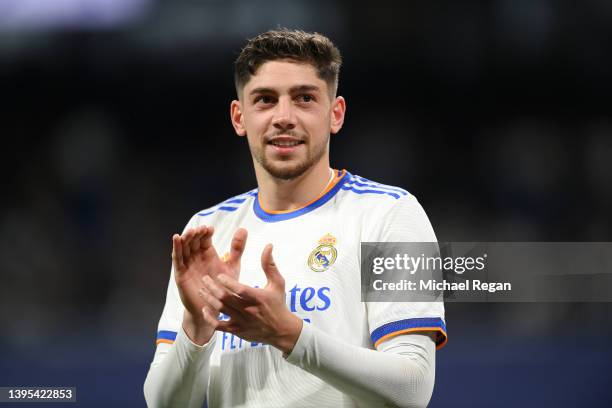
(285, 145)
(285, 141)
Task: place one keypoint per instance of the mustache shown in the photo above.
(291, 133)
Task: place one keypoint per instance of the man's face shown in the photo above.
(287, 114)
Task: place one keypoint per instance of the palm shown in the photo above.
(194, 257)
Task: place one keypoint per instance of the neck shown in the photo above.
(286, 195)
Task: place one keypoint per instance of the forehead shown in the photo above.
(285, 74)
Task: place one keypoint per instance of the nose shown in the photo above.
(284, 115)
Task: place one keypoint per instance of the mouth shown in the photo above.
(285, 144)
(285, 141)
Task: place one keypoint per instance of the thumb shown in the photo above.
(269, 266)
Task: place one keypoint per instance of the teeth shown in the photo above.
(285, 144)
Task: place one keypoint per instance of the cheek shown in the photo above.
(320, 121)
(256, 123)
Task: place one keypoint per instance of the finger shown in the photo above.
(194, 245)
(209, 318)
(221, 299)
(269, 266)
(227, 326)
(211, 300)
(177, 253)
(206, 240)
(246, 294)
(186, 240)
(211, 310)
(237, 249)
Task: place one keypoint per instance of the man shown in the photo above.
(254, 329)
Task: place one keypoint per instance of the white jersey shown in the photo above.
(317, 251)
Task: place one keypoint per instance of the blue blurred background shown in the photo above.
(115, 130)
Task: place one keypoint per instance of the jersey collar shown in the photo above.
(325, 196)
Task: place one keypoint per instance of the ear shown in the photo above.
(337, 114)
(237, 118)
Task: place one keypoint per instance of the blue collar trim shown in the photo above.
(268, 217)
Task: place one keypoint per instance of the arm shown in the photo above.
(400, 373)
(178, 375)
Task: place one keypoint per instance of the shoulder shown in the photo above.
(388, 213)
(371, 195)
(224, 209)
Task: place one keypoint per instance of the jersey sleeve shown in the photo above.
(179, 373)
(405, 221)
(172, 315)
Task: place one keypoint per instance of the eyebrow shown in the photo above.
(294, 89)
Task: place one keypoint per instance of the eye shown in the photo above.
(265, 99)
(305, 98)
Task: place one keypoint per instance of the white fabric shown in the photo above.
(179, 374)
(241, 373)
(402, 375)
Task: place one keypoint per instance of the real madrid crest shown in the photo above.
(323, 256)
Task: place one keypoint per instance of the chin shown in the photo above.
(286, 171)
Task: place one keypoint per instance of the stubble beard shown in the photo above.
(289, 169)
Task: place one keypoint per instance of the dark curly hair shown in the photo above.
(297, 45)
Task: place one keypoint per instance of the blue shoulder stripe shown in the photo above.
(234, 201)
(370, 191)
(363, 182)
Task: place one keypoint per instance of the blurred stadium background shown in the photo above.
(115, 129)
